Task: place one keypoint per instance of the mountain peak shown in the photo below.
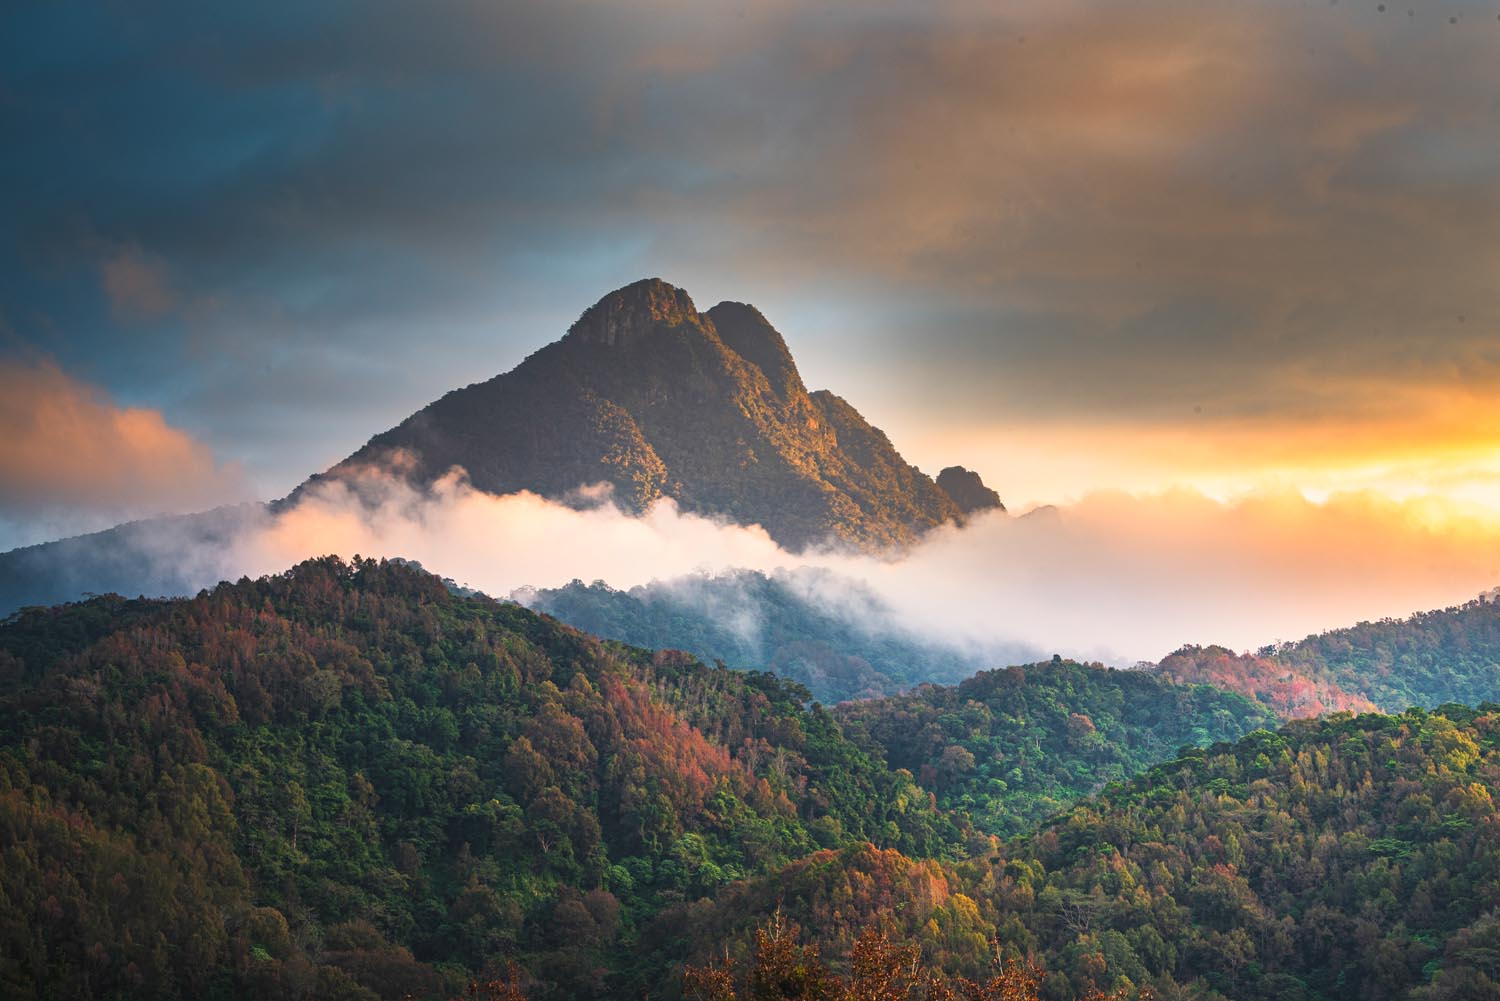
(750, 335)
(660, 401)
(632, 310)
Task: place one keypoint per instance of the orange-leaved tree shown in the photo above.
(879, 970)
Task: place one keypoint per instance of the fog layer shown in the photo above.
(1114, 577)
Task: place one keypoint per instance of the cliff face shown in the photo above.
(659, 400)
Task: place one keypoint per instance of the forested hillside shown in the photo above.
(347, 782)
(1289, 692)
(1347, 857)
(1352, 857)
(1014, 746)
(1428, 659)
(1448, 655)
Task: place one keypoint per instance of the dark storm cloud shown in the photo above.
(234, 217)
(287, 226)
(1272, 208)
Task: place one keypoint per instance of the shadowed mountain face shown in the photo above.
(659, 400)
(968, 490)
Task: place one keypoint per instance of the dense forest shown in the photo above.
(1287, 691)
(350, 782)
(879, 968)
(1344, 857)
(1427, 659)
(1012, 747)
(838, 649)
(1350, 857)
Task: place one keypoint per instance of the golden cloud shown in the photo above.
(65, 444)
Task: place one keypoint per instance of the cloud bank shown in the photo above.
(1114, 577)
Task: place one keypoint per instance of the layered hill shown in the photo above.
(349, 781)
(750, 620)
(1290, 692)
(175, 555)
(1427, 659)
(651, 396)
(832, 635)
(1013, 747)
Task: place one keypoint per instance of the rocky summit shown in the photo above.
(656, 399)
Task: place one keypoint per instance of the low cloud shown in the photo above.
(70, 453)
(1122, 577)
(1114, 577)
(501, 543)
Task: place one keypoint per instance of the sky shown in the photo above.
(1234, 247)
